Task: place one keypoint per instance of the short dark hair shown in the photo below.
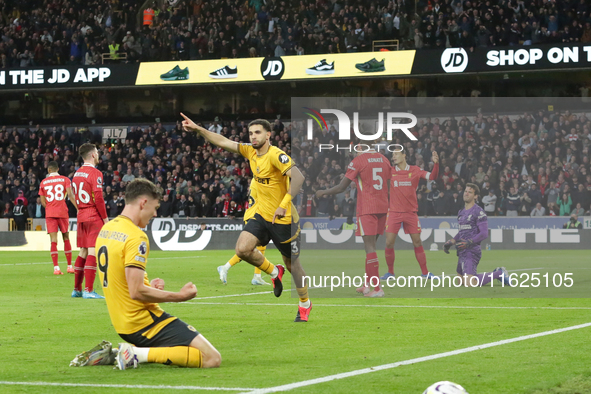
(474, 187)
(85, 150)
(142, 187)
(53, 165)
(262, 122)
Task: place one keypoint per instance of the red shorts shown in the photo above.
(88, 232)
(371, 224)
(57, 224)
(410, 220)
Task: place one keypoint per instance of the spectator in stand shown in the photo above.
(564, 204)
(37, 210)
(512, 202)
(165, 210)
(539, 210)
(128, 177)
(440, 205)
(490, 202)
(578, 210)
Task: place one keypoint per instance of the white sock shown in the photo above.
(227, 266)
(274, 273)
(257, 275)
(305, 304)
(141, 353)
(56, 267)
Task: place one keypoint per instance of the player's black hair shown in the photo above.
(474, 187)
(262, 122)
(53, 165)
(141, 187)
(85, 150)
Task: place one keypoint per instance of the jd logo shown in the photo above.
(272, 68)
(454, 60)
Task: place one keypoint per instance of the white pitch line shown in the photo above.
(125, 386)
(246, 294)
(153, 258)
(363, 371)
(394, 306)
(229, 295)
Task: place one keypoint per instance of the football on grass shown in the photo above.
(445, 387)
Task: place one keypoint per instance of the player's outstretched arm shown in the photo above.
(341, 187)
(140, 292)
(71, 197)
(211, 137)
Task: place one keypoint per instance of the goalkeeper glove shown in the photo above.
(463, 244)
(447, 246)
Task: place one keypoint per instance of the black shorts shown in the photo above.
(175, 333)
(286, 237)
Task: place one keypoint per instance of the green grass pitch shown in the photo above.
(42, 329)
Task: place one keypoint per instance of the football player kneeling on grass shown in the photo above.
(153, 335)
(473, 225)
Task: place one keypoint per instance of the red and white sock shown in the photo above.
(372, 269)
(68, 251)
(422, 259)
(390, 257)
(54, 255)
(89, 273)
(79, 273)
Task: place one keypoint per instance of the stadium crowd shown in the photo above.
(60, 32)
(536, 164)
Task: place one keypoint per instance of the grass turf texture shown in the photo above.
(42, 329)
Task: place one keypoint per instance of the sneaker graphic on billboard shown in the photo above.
(176, 74)
(321, 68)
(371, 66)
(224, 73)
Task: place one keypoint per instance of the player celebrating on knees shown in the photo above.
(92, 214)
(53, 190)
(132, 300)
(404, 207)
(249, 214)
(473, 225)
(275, 218)
(371, 171)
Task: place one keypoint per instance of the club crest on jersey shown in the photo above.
(469, 217)
(283, 158)
(143, 248)
(258, 169)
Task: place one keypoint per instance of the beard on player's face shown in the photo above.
(258, 141)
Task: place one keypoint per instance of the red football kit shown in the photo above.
(370, 171)
(55, 190)
(403, 198)
(87, 186)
